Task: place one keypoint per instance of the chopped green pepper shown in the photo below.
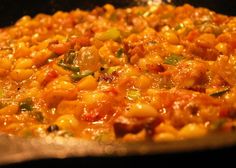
(110, 34)
(152, 42)
(220, 92)
(26, 105)
(78, 76)
(72, 68)
(70, 57)
(173, 59)
(119, 53)
(133, 94)
(179, 26)
(112, 69)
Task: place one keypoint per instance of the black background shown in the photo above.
(11, 10)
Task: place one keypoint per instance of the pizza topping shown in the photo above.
(69, 67)
(26, 105)
(52, 128)
(119, 52)
(173, 59)
(220, 92)
(110, 34)
(159, 73)
(78, 76)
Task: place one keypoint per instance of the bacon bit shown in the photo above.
(139, 50)
(123, 125)
(108, 77)
(59, 48)
(51, 75)
(155, 68)
(134, 50)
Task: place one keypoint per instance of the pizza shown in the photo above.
(144, 73)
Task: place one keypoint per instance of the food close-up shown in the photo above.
(156, 73)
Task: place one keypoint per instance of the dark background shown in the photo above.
(11, 10)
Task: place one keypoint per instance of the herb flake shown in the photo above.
(173, 59)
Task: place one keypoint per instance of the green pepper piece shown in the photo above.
(112, 69)
(70, 57)
(220, 92)
(173, 59)
(78, 76)
(26, 105)
(69, 67)
(119, 53)
(110, 34)
(133, 94)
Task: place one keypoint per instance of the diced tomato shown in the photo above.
(232, 41)
(91, 116)
(112, 91)
(51, 75)
(219, 19)
(155, 68)
(223, 113)
(59, 48)
(228, 38)
(83, 41)
(192, 35)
